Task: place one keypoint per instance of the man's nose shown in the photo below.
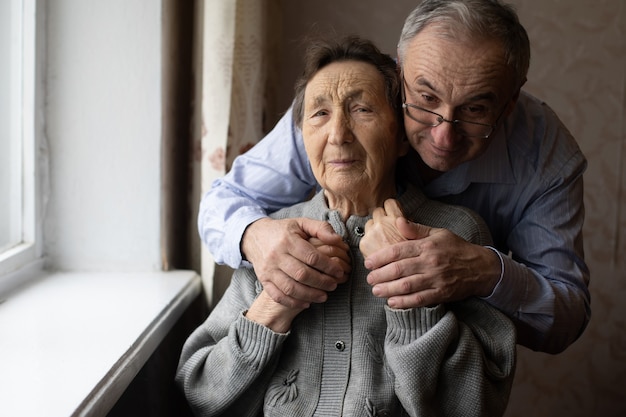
(444, 135)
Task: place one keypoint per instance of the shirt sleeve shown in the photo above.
(544, 288)
(273, 174)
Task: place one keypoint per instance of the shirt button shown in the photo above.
(359, 231)
(340, 346)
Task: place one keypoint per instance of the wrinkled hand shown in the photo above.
(428, 266)
(381, 230)
(338, 254)
(267, 312)
(297, 260)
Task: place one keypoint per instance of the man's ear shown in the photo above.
(404, 146)
(514, 98)
(517, 92)
(398, 62)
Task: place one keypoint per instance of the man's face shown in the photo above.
(459, 80)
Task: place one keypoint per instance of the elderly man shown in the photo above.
(480, 142)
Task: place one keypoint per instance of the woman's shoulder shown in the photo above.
(460, 220)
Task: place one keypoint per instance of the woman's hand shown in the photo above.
(267, 312)
(381, 230)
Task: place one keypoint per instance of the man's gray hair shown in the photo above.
(475, 19)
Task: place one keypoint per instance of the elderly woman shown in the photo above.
(352, 355)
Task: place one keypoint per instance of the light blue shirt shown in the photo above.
(528, 187)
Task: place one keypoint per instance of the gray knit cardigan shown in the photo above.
(353, 355)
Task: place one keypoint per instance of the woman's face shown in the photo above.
(351, 133)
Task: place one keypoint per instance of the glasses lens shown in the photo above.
(464, 128)
(422, 116)
(472, 129)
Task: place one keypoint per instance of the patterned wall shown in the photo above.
(579, 68)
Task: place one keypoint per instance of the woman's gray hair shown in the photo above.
(476, 19)
(321, 53)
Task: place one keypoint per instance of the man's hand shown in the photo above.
(297, 260)
(427, 266)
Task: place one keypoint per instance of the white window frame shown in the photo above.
(27, 253)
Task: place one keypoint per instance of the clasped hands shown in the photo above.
(411, 265)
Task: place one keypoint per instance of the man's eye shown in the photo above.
(475, 112)
(428, 101)
(320, 113)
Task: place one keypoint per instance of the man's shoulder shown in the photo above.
(534, 118)
(537, 136)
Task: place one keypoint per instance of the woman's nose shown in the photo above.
(340, 130)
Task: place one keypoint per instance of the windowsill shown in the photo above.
(70, 343)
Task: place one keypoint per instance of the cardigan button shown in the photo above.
(340, 346)
(359, 231)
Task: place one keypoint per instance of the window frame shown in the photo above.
(28, 252)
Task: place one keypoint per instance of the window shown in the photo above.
(18, 171)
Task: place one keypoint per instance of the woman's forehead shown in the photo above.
(346, 80)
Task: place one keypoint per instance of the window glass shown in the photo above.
(11, 157)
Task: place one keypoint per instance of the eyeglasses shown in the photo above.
(462, 127)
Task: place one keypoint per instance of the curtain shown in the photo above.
(235, 55)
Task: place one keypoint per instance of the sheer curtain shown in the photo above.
(236, 52)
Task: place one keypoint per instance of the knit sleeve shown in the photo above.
(456, 359)
(227, 362)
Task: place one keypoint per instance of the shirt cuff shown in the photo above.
(511, 292)
(501, 270)
(233, 232)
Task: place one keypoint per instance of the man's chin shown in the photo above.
(439, 166)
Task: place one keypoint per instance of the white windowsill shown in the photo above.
(70, 343)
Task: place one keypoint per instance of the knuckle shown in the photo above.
(406, 287)
(312, 258)
(396, 251)
(418, 300)
(289, 289)
(397, 269)
(284, 300)
(299, 275)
